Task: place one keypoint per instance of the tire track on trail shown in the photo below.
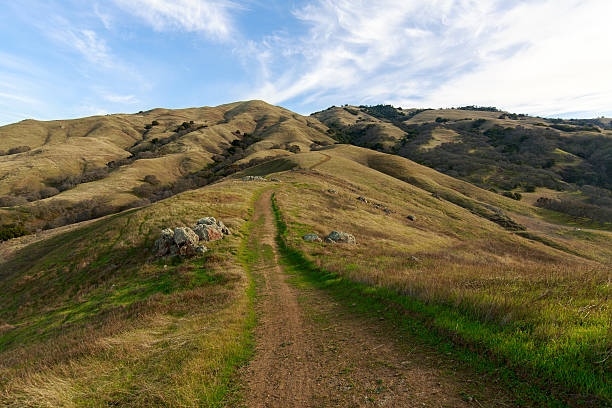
(325, 160)
(313, 352)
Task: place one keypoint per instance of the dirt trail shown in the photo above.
(325, 160)
(313, 352)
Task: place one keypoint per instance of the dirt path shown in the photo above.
(313, 352)
(325, 160)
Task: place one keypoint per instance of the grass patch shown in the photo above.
(95, 321)
(539, 371)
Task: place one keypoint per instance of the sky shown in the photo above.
(72, 58)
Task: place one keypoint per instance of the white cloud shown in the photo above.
(212, 17)
(541, 56)
(125, 99)
(18, 98)
(85, 41)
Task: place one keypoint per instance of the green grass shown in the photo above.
(540, 372)
(94, 320)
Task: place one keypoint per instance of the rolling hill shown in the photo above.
(458, 291)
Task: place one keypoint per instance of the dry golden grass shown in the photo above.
(93, 319)
(558, 298)
(68, 147)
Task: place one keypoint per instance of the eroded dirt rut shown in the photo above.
(312, 352)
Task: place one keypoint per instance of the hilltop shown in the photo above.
(462, 287)
(567, 162)
(73, 170)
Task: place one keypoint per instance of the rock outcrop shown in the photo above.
(187, 241)
(312, 238)
(253, 178)
(340, 237)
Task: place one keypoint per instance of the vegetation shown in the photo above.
(539, 312)
(521, 156)
(104, 323)
(449, 331)
(10, 231)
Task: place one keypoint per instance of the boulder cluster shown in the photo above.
(187, 241)
(333, 237)
(259, 178)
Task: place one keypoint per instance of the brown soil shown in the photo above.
(324, 160)
(313, 352)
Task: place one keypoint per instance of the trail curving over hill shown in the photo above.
(311, 351)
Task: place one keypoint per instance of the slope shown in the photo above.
(512, 154)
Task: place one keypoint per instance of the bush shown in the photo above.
(294, 149)
(152, 179)
(19, 149)
(9, 231)
(2, 152)
(148, 127)
(154, 123)
(513, 195)
(144, 190)
(530, 188)
(12, 201)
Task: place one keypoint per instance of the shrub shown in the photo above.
(154, 123)
(12, 201)
(19, 149)
(513, 195)
(152, 179)
(2, 152)
(9, 231)
(148, 127)
(294, 149)
(144, 190)
(530, 188)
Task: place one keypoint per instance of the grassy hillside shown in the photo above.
(78, 169)
(496, 150)
(93, 319)
(537, 299)
(486, 238)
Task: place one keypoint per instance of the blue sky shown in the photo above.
(74, 58)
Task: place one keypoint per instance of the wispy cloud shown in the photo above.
(124, 99)
(537, 56)
(211, 17)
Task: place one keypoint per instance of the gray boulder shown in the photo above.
(210, 229)
(185, 236)
(411, 217)
(164, 244)
(311, 238)
(253, 178)
(340, 237)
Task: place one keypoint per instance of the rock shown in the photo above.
(340, 237)
(210, 229)
(185, 236)
(165, 242)
(184, 241)
(411, 217)
(414, 259)
(253, 178)
(332, 191)
(275, 180)
(365, 200)
(311, 238)
(208, 232)
(207, 221)
(436, 195)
